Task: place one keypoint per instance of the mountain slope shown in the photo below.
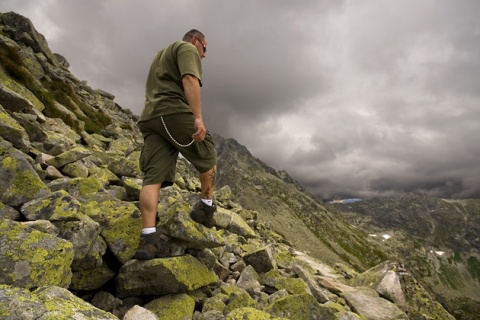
(437, 239)
(290, 210)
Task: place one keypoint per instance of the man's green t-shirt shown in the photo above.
(164, 89)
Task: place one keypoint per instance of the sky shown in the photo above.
(353, 98)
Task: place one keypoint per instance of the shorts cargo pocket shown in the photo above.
(205, 149)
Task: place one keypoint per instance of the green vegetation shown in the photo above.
(474, 267)
(51, 91)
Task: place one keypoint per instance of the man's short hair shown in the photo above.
(193, 33)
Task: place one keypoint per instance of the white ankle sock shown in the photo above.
(149, 230)
(208, 201)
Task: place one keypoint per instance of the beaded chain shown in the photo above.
(168, 132)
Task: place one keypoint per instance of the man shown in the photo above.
(171, 122)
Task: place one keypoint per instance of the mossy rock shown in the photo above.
(172, 307)
(30, 258)
(300, 307)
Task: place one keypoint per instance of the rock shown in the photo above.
(62, 304)
(172, 307)
(261, 260)
(57, 206)
(14, 102)
(69, 156)
(20, 181)
(317, 292)
(19, 303)
(120, 225)
(165, 276)
(91, 279)
(300, 307)
(138, 312)
(233, 222)
(194, 235)
(12, 131)
(275, 280)
(106, 301)
(366, 302)
(248, 313)
(7, 212)
(30, 258)
(248, 280)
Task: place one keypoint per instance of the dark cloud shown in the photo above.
(353, 99)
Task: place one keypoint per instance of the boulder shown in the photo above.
(163, 276)
(120, 225)
(367, 303)
(12, 131)
(62, 304)
(172, 307)
(261, 260)
(300, 307)
(20, 181)
(30, 258)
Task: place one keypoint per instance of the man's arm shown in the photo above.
(191, 87)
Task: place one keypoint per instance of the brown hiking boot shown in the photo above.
(203, 213)
(151, 246)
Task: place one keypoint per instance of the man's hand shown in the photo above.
(200, 132)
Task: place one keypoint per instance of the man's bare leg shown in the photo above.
(148, 205)
(207, 182)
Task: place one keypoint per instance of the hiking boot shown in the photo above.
(151, 246)
(203, 213)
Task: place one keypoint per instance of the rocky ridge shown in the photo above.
(69, 222)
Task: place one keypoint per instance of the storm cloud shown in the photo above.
(351, 98)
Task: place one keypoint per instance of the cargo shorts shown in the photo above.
(159, 155)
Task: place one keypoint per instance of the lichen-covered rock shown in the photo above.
(367, 303)
(132, 187)
(91, 279)
(233, 222)
(172, 307)
(163, 276)
(240, 300)
(69, 156)
(20, 181)
(249, 313)
(262, 260)
(300, 307)
(93, 258)
(75, 170)
(7, 212)
(248, 280)
(13, 101)
(293, 285)
(120, 225)
(61, 304)
(30, 258)
(57, 206)
(19, 303)
(194, 235)
(12, 131)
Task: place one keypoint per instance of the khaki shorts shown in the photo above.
(159, 155)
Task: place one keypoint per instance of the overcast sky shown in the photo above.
(354, 98)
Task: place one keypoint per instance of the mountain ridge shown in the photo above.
(69, 157)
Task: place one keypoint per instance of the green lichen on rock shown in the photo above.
(91, 279)
(21, 182)
(30, 258)
(170, 275)
(249, 313)
(19, 303)
(172, 307)
(120, 223)
(61, 304)
(58, 206)
(274, 279)
(300, 307)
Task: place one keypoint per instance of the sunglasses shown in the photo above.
(204, 47)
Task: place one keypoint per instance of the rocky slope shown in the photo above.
(69, 223)
(437, 239)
